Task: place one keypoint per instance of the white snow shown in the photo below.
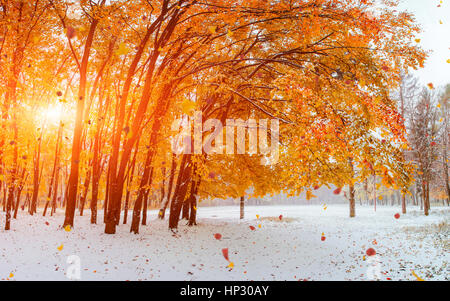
(290, 249)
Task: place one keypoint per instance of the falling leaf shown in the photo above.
(417, 40)
(11, 275)
(225, 254)
(229, 33)
(123, 49)
(60, 247)
(67, 228)
(252, 228)
(231, 265)
(280, 217)
(337, 191)
(371, 252)
(218, 236)
(70, 32)
(431, 86)
(212, 29)
(397, 215)
(187, 106)
(415, 275)
(257, 216)
(448, 61)
(374, 242)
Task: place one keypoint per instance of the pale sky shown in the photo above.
(435, 37)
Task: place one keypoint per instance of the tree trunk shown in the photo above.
(186, 207)
(72, 186)
(162, 211)
(180, 191)
(193, 203)
(352, 200)
(87, 182)
(12, 185)
(242, 203)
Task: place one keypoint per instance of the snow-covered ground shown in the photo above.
(291, 249)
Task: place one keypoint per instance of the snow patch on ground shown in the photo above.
(290, 249)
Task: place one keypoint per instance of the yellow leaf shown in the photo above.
(415, 275)
(229, 33)
(257, 216)
(439, 105)
(123, 49)
(231, 265)
(417, 40)
(448, 61)
(431, 86)
(60, 247)
(11, 275)
(259, 226)
(67, 228)
(212, 29)
(187, 106)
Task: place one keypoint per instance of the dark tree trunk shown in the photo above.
(186, 207)
(180, 192)
(87, 182)
(193, 202)
(242, 203)
(142, 193)
(23, 179)
(162, 211)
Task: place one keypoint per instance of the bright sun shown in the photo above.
(52, 113)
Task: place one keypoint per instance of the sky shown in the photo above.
(435, 37)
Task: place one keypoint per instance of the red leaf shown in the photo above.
(217, 236)
(280, 217)
(225, 254)
(371, 252)
(252, 228)
(323, 238)
(71, 32)
(337, 191)
(397, 215)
